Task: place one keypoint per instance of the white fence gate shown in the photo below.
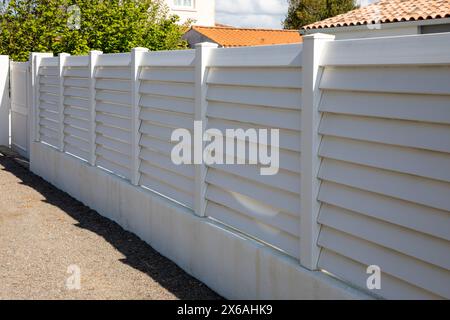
(20, 97)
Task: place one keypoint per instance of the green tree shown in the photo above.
(304, 12)
(77, 26)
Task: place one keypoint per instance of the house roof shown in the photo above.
(241, 37)
(386, 11)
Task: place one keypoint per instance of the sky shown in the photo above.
(253, 13)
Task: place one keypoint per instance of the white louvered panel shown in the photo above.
(45, 106)
(170, 89)
(285, 201)
(168, 74)
(51, 89)
(119, 146)
(258, 96)
(112, 120)
(401, 213)
(254, 209)
(257, 77)
(113, 84)
(173, 120)
(48, 123)
(113, 167)
(49, 80)
(388, 105)
(423, 191)
(117, 109)
(408, 79)
(49, 98)
(396, 132)
(396, 238)
(82, 93)
(48, 120)
(168, 103)
(262, 116)
(254, 228)
(177, 181)
(164, 161)
(429, 277)
(385, 177)
(77, 102)
(264, 207)
(75, 112)
(76, 72)
(123, 73)
(156, 131)
(423, 163)
(167, 190)
(77, 132)
(117, 97)
(49, 114)
(77, 142)
(49, 71)
(391, 287)
(76, 82)
(76, 123)
(289, 139)
(71, 149)
(116, 157)
(283, 180)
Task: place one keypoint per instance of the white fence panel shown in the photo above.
(167, 94)
(48, 102)
(265, 96)
(385, 173)
(113, 114)
(77, 106)
(364, 173)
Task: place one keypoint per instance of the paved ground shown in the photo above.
(43, 231)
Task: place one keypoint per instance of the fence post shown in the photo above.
(35, 63)
(62, 60)
(313, 48)
(136, 58)
(93, 56)
(4, 101)
(202, 55)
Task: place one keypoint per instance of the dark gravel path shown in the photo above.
(43, 231)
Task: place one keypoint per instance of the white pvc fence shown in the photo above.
(364, 144)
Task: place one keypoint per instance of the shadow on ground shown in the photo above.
(139, 254)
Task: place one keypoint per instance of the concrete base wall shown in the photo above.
(231, 264)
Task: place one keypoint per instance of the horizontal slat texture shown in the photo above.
(113, 119)
(386, 177)
(266, 208)
(166, 103)
(48, 121)
(76, 111)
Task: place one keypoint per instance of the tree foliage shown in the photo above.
(304, 12)
(78, 26)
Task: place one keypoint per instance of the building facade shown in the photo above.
(202, 12)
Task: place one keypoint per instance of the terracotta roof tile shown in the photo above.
(386, 11)
(240, 37)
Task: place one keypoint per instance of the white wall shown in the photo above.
(203, 12)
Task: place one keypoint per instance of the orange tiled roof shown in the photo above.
(241, 37)
(386, 11)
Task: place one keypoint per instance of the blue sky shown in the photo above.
(253, 13)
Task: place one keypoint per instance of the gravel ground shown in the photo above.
(43, 231)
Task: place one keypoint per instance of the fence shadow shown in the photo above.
(138, 254)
